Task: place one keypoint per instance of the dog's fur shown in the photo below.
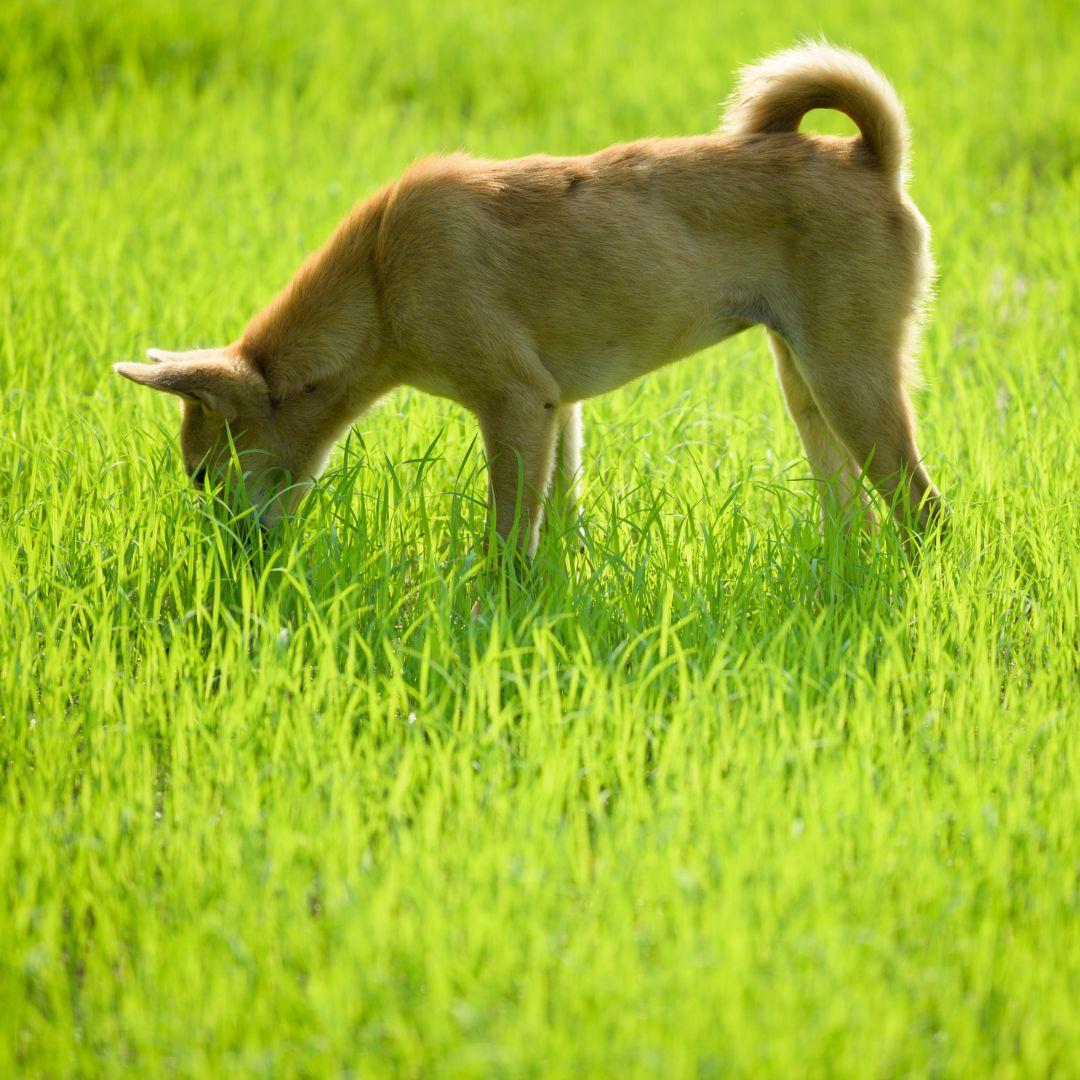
(520, 288)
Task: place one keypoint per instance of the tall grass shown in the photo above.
(712, 796)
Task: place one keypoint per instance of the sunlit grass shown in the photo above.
(713, 794)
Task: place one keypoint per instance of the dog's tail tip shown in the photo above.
(775, 93)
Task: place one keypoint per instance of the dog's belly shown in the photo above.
(607, 362)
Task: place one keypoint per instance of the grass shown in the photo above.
(715, 797)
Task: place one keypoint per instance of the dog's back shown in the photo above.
(642, 253)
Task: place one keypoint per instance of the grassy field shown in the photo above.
(714, 797)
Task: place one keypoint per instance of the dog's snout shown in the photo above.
(198, 477)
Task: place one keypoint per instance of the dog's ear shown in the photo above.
(205, 376)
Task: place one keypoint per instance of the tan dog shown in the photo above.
(519, 288)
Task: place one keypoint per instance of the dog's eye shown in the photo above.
(311, 388)
(198, 477)
(274, 401)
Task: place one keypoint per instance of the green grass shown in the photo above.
(715, 797)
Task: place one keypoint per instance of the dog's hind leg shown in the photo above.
(859, 390)
(840, 490)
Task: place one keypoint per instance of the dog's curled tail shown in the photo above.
(774, 94)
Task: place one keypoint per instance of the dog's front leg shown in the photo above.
(519, 430)
(566, 489)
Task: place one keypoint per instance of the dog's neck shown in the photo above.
(327, 325)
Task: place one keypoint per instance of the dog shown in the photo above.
(521, 288)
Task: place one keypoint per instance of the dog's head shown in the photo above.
(280, 441)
